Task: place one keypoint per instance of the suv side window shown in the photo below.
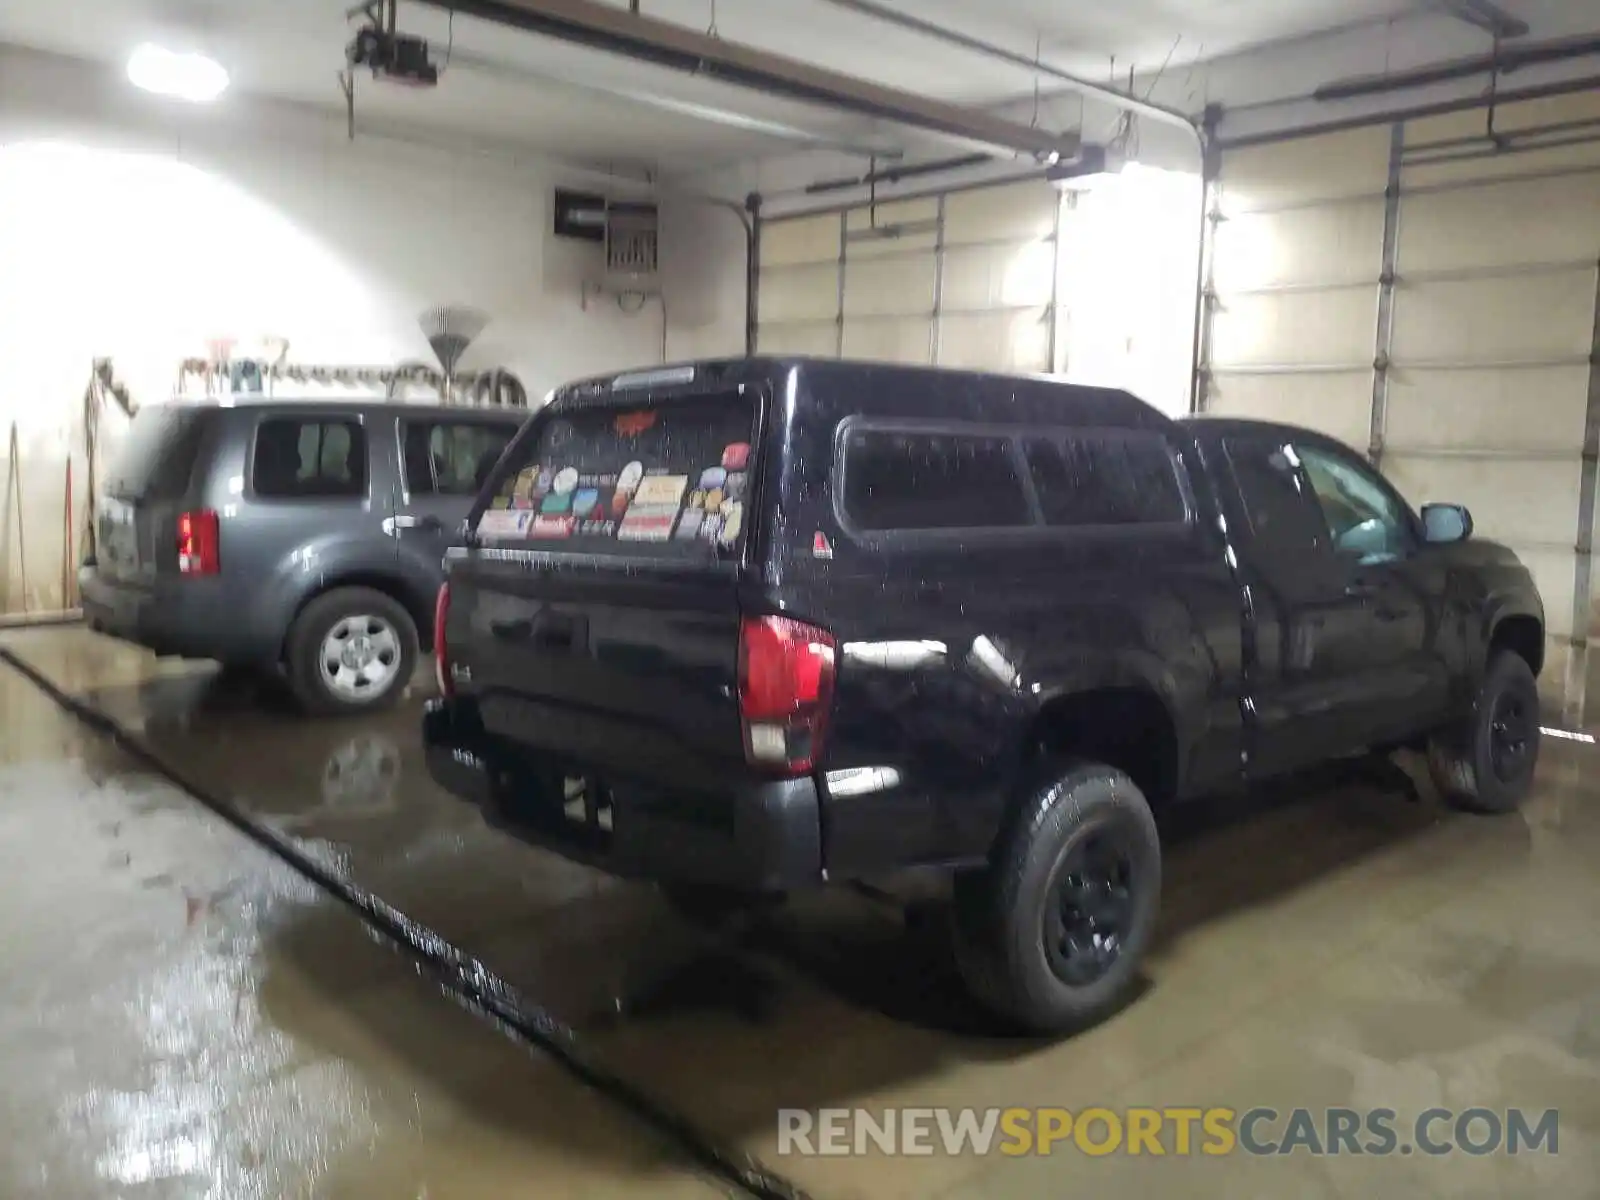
(1278, 501)
(905, 480)
(1365, 517)
(1105, 479)
(451, 458)
(310, 457)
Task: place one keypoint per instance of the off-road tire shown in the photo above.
(1461, 758)
(1000, 911)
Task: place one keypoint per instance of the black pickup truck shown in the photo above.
(751, 626)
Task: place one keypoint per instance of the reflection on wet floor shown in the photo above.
(1336, 942)
(183, 1016)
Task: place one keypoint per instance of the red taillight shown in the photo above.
(785, 692)
(199, 551)
(441, 651)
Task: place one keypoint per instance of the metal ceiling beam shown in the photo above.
(515, 72)
(1485, 15)
(1502, 61)
(1121, 100)
(618, 31)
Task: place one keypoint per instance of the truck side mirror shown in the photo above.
(1444, 523)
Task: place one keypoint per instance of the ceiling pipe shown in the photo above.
(515, 72)
(618, 31)
(1487, 16)
(954, 37)
(1501, 61)
(897, 174)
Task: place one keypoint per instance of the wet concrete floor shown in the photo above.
(182, 1008)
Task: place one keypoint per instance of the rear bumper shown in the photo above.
(184, 618)
(752, 836)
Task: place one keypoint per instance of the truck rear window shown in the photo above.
(662, 477)
(157, 458)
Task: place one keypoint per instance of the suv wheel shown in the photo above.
(1485, 763)
(351, 650)
(1051, 933)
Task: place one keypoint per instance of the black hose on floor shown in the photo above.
(464, 978)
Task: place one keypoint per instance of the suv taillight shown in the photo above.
(199, 551)
(786, 672)
(441, 651)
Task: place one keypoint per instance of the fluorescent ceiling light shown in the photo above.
(192, 77)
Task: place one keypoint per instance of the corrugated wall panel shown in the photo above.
(967, 279)
(1482, 388)
(1297, 253)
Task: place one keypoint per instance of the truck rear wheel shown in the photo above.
(351, 650)
(1050, 935)
(1485, 763)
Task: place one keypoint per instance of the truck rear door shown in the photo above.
(596, 614)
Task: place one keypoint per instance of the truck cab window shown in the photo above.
(1279, 504)
(1364, 517)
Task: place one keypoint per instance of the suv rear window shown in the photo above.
(661, 477)
(157, 459)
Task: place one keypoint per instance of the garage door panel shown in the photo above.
(994, 276)
(889, 287)
(1513, 501)
(1335, 244)
(1334, 165)
(799, 294)
(1017, 212)
(1553, 573)
(800, 240)
(1504, 224)
(891, 214)
(889, 340)
(1517, 409)
(1337, 404)
(1302, 328)
(819, 338)
(1514, 319)
(904, 245)
(1003, 341)
(1514, 117)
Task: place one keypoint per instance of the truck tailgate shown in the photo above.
(597, 615)
(620, 670)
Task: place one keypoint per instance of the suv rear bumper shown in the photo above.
(753, 836)
(185, 618)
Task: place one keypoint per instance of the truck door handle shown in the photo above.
(512, 631)
(1361, 589)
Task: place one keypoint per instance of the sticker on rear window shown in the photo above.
(552, 527)
(499, 523)
(653, 511)
(634, 423)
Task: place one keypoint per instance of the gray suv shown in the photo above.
(289, 535)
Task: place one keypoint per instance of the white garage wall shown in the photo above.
(1472, 374)
(962, 280)
(1098, 287)
(136, 229)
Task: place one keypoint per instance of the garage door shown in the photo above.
(1446, 325)
(966, 279)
